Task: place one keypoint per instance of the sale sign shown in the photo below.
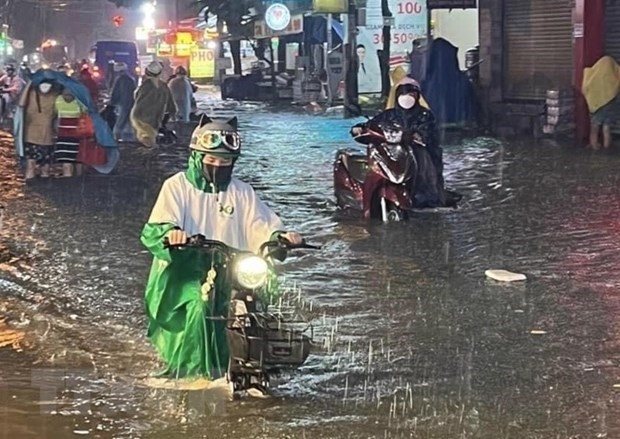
(410, 23)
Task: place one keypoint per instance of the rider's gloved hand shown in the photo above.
(177, 237)
(292, 237)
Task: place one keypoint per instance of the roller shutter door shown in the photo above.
(538, 47)
(612, 28)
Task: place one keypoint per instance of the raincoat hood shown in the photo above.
(196, 177)
(399, 77)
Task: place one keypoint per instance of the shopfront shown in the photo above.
(538, 48)
(612, 28)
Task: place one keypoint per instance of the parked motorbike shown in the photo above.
(261, 342)
(378, 183)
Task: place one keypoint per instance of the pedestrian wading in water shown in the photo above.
(39, 103)
(153, 105)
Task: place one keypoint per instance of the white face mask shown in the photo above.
(406, 101)
(45, 87)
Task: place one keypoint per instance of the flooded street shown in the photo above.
(412, 339)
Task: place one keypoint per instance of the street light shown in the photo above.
(148, 9)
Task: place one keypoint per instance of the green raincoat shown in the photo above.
(190, 344)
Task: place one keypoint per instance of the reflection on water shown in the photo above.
(413, 341)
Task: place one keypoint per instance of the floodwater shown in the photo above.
(412, 339)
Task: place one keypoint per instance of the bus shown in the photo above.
(104, 54)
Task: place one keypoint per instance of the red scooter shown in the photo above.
(379, 183)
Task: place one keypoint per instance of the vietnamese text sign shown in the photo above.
(202, 63)
(451, 4)
(410, 23)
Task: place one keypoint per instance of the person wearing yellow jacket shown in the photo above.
(601, 86)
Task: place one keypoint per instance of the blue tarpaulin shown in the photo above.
(315, 30)
(446, 88)
(103, 134)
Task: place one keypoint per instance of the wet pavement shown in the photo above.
(413, 340)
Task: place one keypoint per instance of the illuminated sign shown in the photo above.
(330, 6)
(164, 49)
(184, 44)
(202, 63)
(295, 26)
(277, 17)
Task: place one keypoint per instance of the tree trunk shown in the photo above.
(235, 51)
(384, 57)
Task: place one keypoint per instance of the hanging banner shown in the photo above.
(202, 63)
(409, 24)
(452, 4)
(330, 6)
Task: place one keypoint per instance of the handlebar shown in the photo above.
(199, 241)
(285, 244)
(368, 135)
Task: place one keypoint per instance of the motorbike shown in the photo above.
(261, 342)
(7, 110)
(379, 183)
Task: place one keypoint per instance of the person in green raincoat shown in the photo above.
(205, 199)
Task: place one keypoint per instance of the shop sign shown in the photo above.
(184, 50)
(330, 6)
(184, 44)
(451, 4)
(164, 49)
(202, 63)
(409, 23)
(295, 26)
(277, 17)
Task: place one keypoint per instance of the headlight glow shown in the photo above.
(251, 272)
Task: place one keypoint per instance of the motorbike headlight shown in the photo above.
(251, 272)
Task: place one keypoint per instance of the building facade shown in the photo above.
(532, 47)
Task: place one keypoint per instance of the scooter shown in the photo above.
(380, 182)
(261, 342)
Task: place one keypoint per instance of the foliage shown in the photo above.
(235, 14)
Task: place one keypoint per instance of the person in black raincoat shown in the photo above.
(418, 122)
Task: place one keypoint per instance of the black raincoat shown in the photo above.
(428, 191)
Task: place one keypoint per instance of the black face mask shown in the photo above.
(218, 175)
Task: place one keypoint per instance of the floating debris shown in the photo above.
(505, 276)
